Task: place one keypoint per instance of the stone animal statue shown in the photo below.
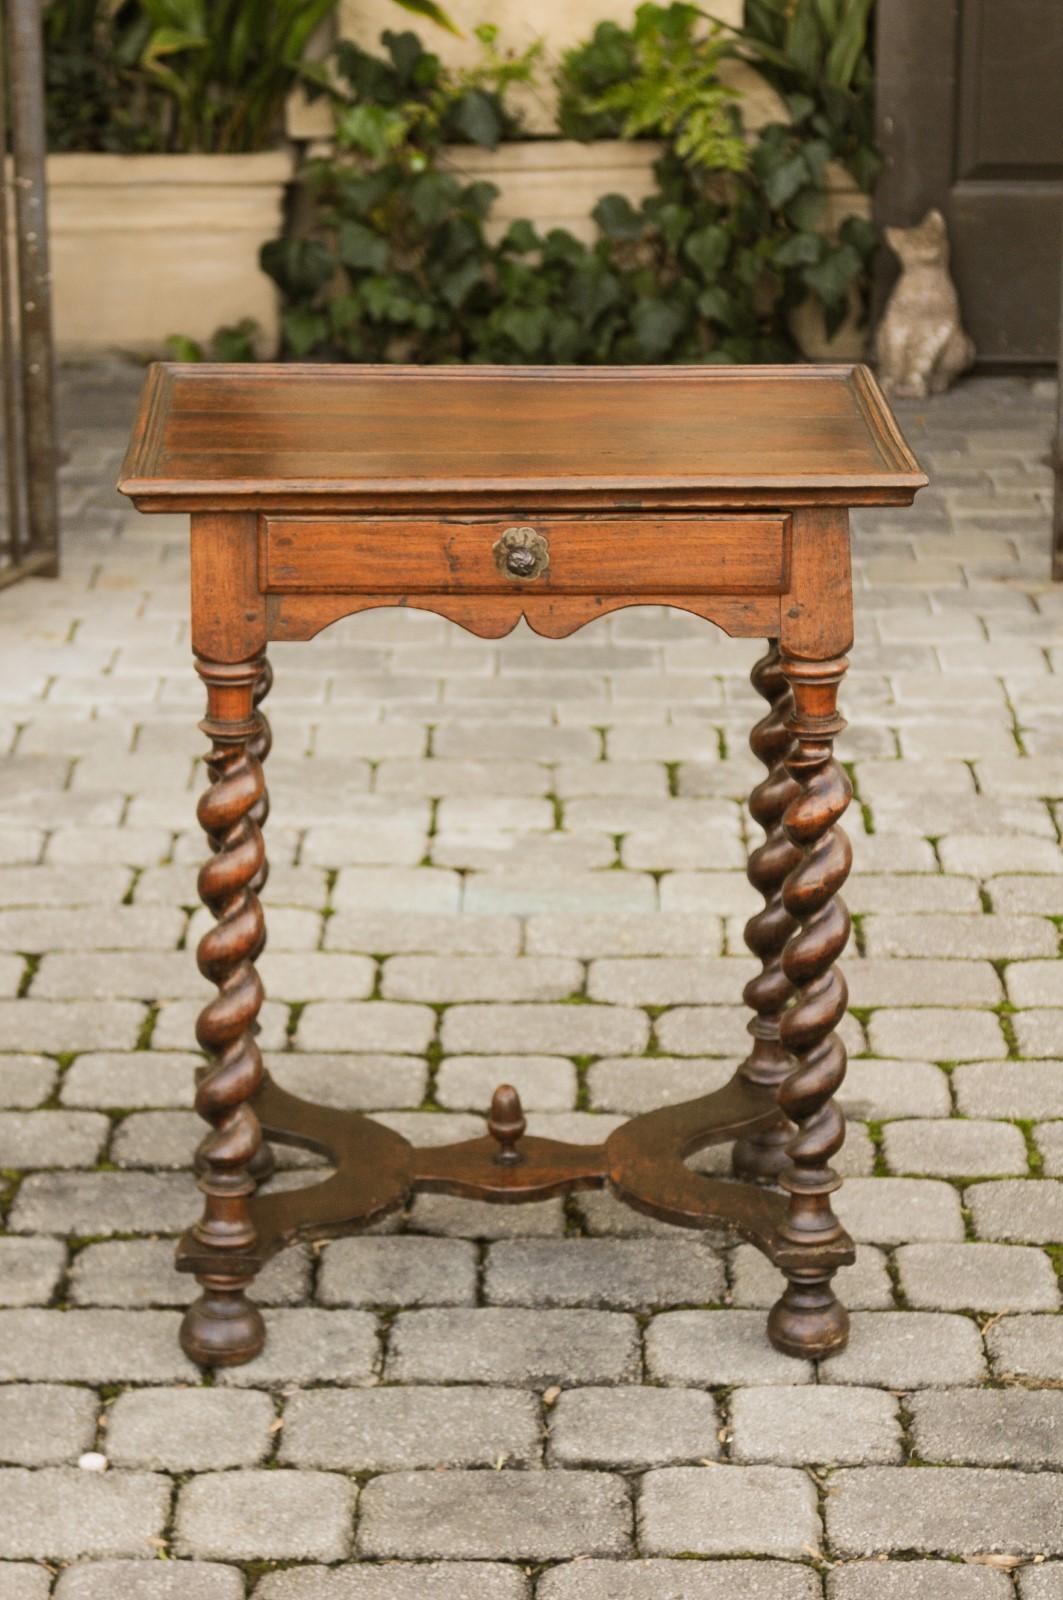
(921, 345)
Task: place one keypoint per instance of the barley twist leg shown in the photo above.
(809, 1320)
(762, 1156)
(222, 1327)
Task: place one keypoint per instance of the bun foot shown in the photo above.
(222, 1328)
(763, 1157)
(809, 1321)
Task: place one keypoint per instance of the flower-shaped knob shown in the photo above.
(523, 553)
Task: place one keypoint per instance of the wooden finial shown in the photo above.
(506, 1124)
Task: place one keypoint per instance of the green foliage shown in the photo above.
(233, 343)
(660, 78)
(397, 262)
(184, 75)
(817, 54)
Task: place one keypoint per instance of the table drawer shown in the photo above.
(655, 555)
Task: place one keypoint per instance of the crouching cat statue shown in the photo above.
(921, 345)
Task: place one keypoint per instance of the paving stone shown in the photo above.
(669, 980)
(478, 1219)
(92, 1347)
(983, 857)
(663, 933)
(878, 1090)
(103, 1202)
(452, 978)
(603, 1216)
(403, 1271)
(1028, 1211)
(396, 1580)
(175, 1025)
(945, 1148)
(265, 1516)
(157, 1139)
(586, 893)
(899, 1210)
(544, 1083)
(390, 1429)
(633, 1086)
(944, 1511)
(496, 1345)
(1049, 1140)
(376, 841)
(1039, 1033)
(366, 1025)
(141, 1272)
(150, 1580)
(529, 854)
(59, 1513)
(397, 889)
(351, 1082)
(65, 1025)
(290, 927)
(141, 975)
(20, 1581)
(308, 1345)
(909, 981)
(57, 886)
(545, 1029)
(865, 1286)
(1042, 1582)
(532, 1516)
(131, 1080)
(1019, 893)
(316, 975)
(908, 893)
(45, 1424)
(915, 1580)
(26, 1081)
(30, 1270)
(392, 932)
(816, 1423)
(627, 1428)
(937, 1034)
(679, 1580)
(728, 1510)
(1036, 983)
(1026, 1347)
(51, 1138)
(188, 1430)
(717, 1348)
(990, 1428)
(1026, 1089)
(626, 1274)
(986, 936)
(908, 1350)
(982, 1277)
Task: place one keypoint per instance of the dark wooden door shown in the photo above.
(970, 114)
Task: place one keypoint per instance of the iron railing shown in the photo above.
(29, 513)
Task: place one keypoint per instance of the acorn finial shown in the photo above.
(506, 1124)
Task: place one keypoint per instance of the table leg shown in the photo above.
(763, 1156)
(263, 1164)
(223, 1327)
(809, 1320)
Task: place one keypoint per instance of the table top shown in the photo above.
(242, 437)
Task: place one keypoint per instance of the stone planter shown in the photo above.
(146, 246)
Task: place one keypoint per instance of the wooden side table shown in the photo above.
(489, 495)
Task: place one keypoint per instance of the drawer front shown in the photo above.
(551, 555)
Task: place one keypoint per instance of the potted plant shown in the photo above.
(169, 163)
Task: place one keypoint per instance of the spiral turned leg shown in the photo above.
(809, 1320)
(762, 1157)
(222, 1327)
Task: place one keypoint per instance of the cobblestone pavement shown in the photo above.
(524, 860)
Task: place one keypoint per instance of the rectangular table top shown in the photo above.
(243, 436)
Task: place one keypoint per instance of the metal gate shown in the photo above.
(29, 516)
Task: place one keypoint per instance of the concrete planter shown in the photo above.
(146, 246)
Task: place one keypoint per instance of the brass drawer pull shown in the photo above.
(522, 553)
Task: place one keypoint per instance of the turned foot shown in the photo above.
(809, 1320)
(222, 1328)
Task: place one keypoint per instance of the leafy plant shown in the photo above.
(186, 75)
(233, 343)
(817, 54)
(659, 78)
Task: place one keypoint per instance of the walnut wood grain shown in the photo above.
(397, 437)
